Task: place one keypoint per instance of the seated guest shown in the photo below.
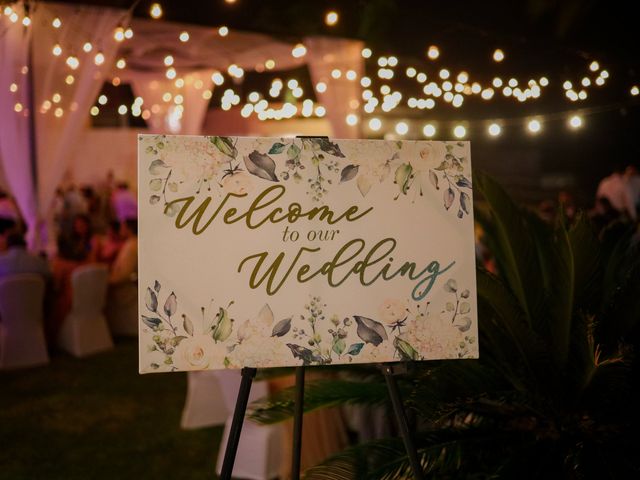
(124, 202)
(79, 244)
(109, 245)
(7, 227)
(17, 260)
(125, 266)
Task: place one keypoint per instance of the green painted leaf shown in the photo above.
(405, 350)
(403, 176)
(175, 341)
(153, 199)
(222, 329)
(293, 151)
(465, 308)
(225, 146)
(277, 148)
(338, 346)
(155, 184)
(355, 348)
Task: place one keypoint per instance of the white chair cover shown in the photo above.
(204, 406)
(22, 341)
(260, 449)
(122, 309)
(85, 330)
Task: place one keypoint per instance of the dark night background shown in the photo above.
(554, 38)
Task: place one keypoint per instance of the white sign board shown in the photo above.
(269, 252)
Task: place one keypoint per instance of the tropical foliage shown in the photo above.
(552, 393)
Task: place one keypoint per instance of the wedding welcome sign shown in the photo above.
(268, 252)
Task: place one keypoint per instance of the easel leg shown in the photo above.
(401, 418)
(297, 424)
(248, 374)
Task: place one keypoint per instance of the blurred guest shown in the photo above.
(17, 260)
(125, 266)
(124, 202)
(614, 189)
(110, 244)
(79, 244)
(547, 211)
(8, 207)
(7, 227)
(567, 204)
(632, 181)
(603, 214)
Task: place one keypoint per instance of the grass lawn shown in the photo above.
(97, 418)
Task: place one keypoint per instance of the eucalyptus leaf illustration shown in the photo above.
(171, 305)
(402, 177)
(151, 322)
(302, 353)
(261, 165)
(433, 178)
(281, 328)
(173, 186)
(465, 294)
(293, 151)
(223, 327)
(338, 346)
(155, 184)
(151, 300)
(225, 146)
(364, 184)
(462, 181)
(450, 307)
(276, 148)
(153, 199)
(175, 341)
(464, 202)
(466, 324)
(443, 166)
(465, 308)
(328, 147)
(370, 330)
(355, 348)
(449, 196)
(156, 286)
(348, 173)
(451, 286)
(155, 168)
(187, 324)
(171, 209)
(405, 350)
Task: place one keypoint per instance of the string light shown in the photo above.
(498, 55)
(118, 34)
(402, 128)
(321, 87)
(13, 88)
(95, 111)
(87, 47)
(223, 31)
(366, 53)
(26, 21)
(57, 50)
(375, 124)
(534, 126)
(121, 63)
(594, 66)
(184, 37)
(155, 11)
(459, 131)
(56, 23)
(331, 18)
(352, 119)
(102, 100)
(299, 51)
(494, 129)
(168, 61)
(433, 52)
(73, 62)
(444, 74)
(122, 109)
(429, 130)
(99, 58)
(270, 64)
(634, 91)
(575, 121)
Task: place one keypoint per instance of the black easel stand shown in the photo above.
(248, 374)
(389, 372)
(297, 424)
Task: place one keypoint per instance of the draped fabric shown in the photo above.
(63, 92)
(15, 152)
(342, 95)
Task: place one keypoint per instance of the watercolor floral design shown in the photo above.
(215, 165)
(400, 332)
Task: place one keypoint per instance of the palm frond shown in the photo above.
(319, 394)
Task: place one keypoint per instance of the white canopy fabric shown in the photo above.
(65, 89)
